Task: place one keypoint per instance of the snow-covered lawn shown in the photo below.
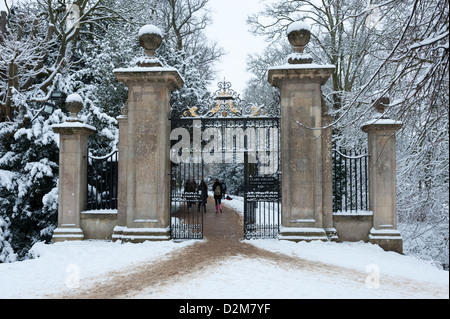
(243, 278)
(363, 271)
(362, 257)
(68, 266)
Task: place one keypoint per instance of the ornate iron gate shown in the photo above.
(226, 132)
(102, 186)
(350, 181)
(262, 200)
(186, 213)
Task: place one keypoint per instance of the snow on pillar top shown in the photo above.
(297, 26)
(150, 29)
(150, 38)
(299, 34)
(299, 64)
(74, 104)
(380, 119)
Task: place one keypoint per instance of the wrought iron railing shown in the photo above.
(350, 181)
(102, 189)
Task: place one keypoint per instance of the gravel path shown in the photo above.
(223, 240)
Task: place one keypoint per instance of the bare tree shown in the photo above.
(397, 49)
(184, 22)
(39, 40)
(340, 36)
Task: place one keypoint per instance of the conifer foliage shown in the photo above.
(73, 47)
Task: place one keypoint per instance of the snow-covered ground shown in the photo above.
(70, 266)
(244, 278)
(366, 271)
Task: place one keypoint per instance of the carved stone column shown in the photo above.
(144, 202)
(72, 198)
(382, 180)
(122, 175)
(327, 176)
(304, 166)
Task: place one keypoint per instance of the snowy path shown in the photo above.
(223, 267)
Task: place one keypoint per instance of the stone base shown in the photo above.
(140, 235)
(353, 227)
(67, 234)
(298, 234)
(98, 225)
(332, 234)
(388, 239)
(118, 233)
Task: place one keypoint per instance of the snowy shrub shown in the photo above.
(42, 53)
(28, 173)
(194, 91)
(29, 153)
(6, 251)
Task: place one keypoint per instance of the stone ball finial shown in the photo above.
(381, 104)
(299, 34)
(74, 104)
(150, 38)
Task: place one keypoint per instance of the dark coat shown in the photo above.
(221, 190)
(203, 191)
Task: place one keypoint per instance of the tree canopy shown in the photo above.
(73, 46)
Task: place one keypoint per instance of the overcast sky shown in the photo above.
(230, 30)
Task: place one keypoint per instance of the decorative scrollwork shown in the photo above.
(226, 103)
(124, 109)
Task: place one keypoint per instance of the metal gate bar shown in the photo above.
(350, 181)
(102, 186)
(261, 179)
(262, 202)
(186, 217)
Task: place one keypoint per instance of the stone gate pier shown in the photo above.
(144, 146)
(382, 179)
(305, 149)
(144, 164)
(73, 136)
(306, 155)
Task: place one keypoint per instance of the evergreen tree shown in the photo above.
(43, 50)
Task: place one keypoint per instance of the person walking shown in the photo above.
(218, 192)
(203, 192)
(187, 190)
(190, 189)
(224, 187)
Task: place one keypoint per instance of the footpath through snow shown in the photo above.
(222, 266)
